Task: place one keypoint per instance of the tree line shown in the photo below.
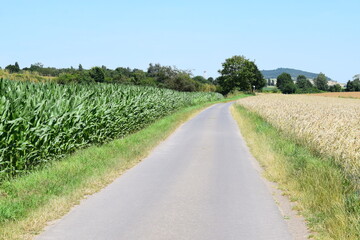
(156, 75)
(320, 84)
(237, 73)
(353, 86)
(285, 83)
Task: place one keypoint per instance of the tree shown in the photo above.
(303, 83)
(282, 79)
(17, 67)
(269, 83)
(321, 82)
(348, 86)
(200, 79)
(356, 85)
(10, 68)
(13, 68)
(97, 74)
(80, 67)
(66, 78)
(239, 73)
(36, 66)
(285, 83)
(181, 82)
(335, 88)
(255, 77)
(138, 76)
(353, 86)
(163, 73)
(288, 87)
(211, 80)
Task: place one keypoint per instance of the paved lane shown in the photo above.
(198, 184)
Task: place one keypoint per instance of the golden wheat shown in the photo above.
(339, 94)
(331, 126)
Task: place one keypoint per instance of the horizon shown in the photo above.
(198, 36)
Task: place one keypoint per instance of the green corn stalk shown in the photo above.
(42, 122)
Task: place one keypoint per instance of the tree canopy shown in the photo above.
(321, 82)
(303, 83)
(335, 88)
(353, 86)
(285, 83)
(156, 75)
(97, 74)
(239, 73)
(13, 68)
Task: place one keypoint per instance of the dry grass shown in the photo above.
(25, 76)
(339, 94)
(329, 126)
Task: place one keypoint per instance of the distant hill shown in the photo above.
(293, 72)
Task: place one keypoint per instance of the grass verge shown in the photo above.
(324, 196)
(28, 202)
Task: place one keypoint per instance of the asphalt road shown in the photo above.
(198, 184)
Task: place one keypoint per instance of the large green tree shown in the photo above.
(17, 67)
(282, 79)
(97, 74)
(138, 76)
(13, 68)
(321, 82)
(285, 83)
(335, 88)
(181, 82)
(303, 83)
(239, 73)
(353, 86)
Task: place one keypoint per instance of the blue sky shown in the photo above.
(317, 36)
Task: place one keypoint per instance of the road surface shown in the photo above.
(199, 184)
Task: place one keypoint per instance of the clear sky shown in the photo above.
(311, 35)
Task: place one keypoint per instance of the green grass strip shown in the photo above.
(324, 196)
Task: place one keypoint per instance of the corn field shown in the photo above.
(40, 122)
(330, 126)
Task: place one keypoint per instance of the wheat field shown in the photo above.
(339, 94)
(330, 126)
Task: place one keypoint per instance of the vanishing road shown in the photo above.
(199, 184)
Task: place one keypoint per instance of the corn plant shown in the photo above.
(40, 122)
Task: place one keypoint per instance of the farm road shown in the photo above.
(198, 184)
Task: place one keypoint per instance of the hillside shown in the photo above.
(293, 72)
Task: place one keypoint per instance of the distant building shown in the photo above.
(332, 83)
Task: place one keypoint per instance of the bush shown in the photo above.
(288, 87)
(97, 74)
